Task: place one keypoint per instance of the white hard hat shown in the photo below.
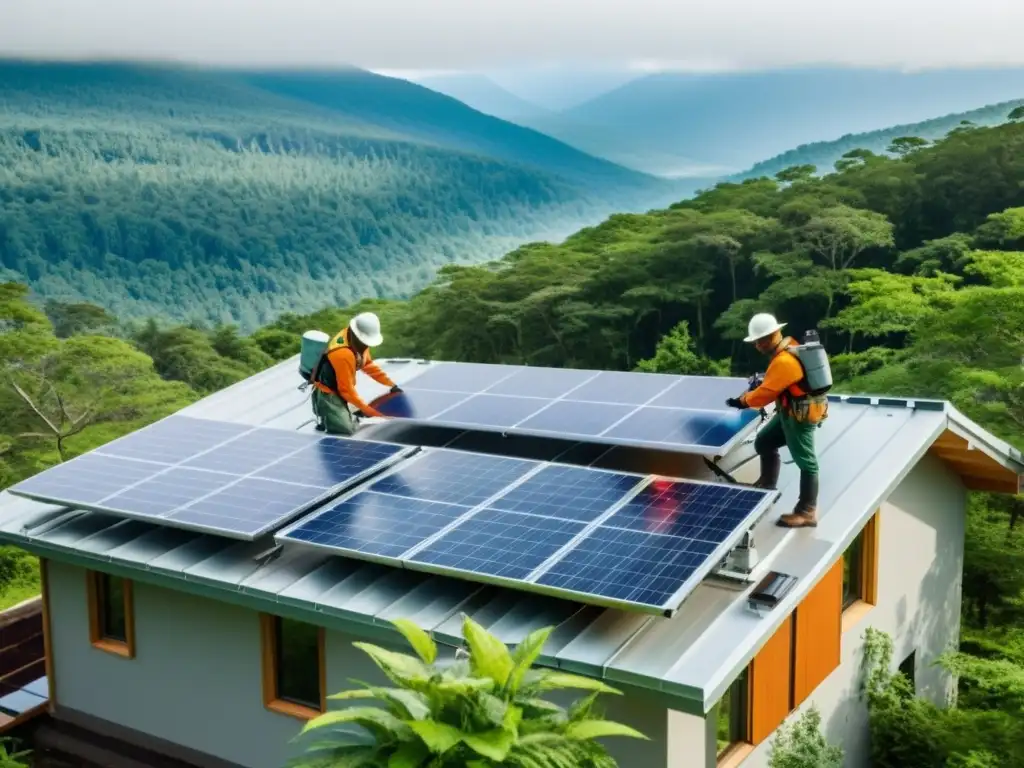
(366, 327)
(761, 325)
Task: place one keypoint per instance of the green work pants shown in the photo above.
(333, 413)
(782, 430)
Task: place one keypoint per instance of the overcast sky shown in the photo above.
(482, 34)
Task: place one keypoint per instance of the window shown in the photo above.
(908, 668)
(732, 715)
(293, 667)
(111, 618)
(860, 574)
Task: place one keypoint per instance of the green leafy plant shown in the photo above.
(802, 745)
(10, 756)
(481, 711)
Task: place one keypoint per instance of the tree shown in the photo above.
(483, 711)
(802, 745)
(796, 173)
(79, 318)
(1017, 113)
(904, 145)
(676, 354)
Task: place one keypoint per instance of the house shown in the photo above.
(208, 651)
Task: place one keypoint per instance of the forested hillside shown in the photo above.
(232, 197)
(824, 154)
(912, 266)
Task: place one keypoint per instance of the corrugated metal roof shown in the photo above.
(865, 449)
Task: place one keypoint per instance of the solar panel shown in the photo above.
(665, 412)
(505, 545)
(593, 535)
(215, 477)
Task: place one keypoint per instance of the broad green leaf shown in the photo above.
(526, 654)
(547, 680)
(382, 724)
(425, 648)
(411, 754)
(489, 656)
(438, 737)
(464, 685)
(399, 667)
(513, 716)
(493, 744)
(413, 705)
(595, 729)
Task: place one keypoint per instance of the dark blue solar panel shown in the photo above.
(173, 440)
(572, 418)
(492, 411)
(571, 493)
(548, 383)
(459, 377)
(19, 702)
(250, 506)
(240, 488)
(622, 387)
(329, 462)
(86, 480)
(707, 512)
(419, 404)
(702, 392)
(627, 566)
(679, 427)
(252, 451)
(453, 477)
(39, 686)
(376, 524)
(497, 543)
(165, 492)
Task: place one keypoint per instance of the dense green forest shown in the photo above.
(911, 263)
(232, 197)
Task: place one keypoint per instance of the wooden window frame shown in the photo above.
(866, 575)
(123, 648)
(269, 656)
(737, 751)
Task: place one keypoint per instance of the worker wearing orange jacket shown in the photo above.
(334, 377)
(797, 415)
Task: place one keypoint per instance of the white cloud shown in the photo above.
(492, 34)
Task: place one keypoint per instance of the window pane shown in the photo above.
(111, 608)
(731, 714)
(298, 662)
(852, 587)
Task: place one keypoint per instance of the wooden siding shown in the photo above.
(770, 683)
(818, 634)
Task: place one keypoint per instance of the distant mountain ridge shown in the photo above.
(227, 196)
(484, 95)
(674, 123)
(824, 154)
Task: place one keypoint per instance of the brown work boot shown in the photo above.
(799, 519)
(805, 513)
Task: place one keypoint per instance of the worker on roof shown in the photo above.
(334, 376)
(797, 415)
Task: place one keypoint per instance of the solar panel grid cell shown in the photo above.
(216, 477)
(377, 524)
(499, 543)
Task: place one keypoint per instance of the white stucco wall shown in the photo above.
(921, 549)
(196, 681)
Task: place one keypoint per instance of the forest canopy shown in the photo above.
(911, 264)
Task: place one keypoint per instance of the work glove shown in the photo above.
(735, 402)
(395, 389)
